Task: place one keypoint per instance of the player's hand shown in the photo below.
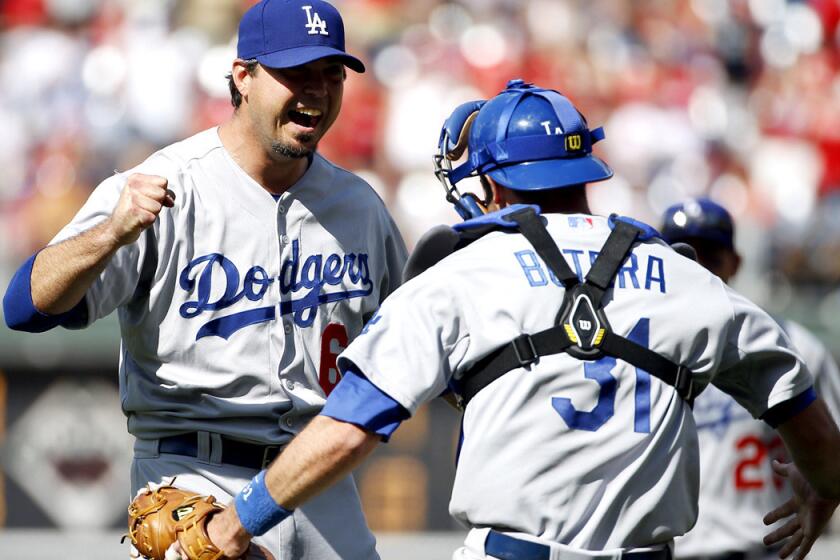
(140, 202)
(226, 532)
(810, 515)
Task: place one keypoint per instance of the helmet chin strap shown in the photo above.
(470, 206)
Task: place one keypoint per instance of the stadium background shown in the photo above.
(735, 99)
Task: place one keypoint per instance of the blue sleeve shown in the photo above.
(786, 410)
(20, 313)
(356, 400)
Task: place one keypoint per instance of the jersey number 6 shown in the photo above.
(333, 342)
(599, 371)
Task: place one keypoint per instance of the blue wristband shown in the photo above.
(257, 510)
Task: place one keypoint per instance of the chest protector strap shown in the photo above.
(581, 328)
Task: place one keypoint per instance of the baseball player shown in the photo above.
(240, 262)
(575, 344)
(737, 483)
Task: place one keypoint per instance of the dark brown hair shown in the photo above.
(235, 96)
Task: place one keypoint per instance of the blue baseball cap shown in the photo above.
(698, 218)
(286, 33)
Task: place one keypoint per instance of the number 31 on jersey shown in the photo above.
(600, 372)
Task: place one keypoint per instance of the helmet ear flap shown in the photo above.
(453, 141)
(456, 151)
(455, 131)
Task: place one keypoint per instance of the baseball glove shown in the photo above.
(159, 516)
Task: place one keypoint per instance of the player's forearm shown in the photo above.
(62, 273)
(326, 451)
(813, 439)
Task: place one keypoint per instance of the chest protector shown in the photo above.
(581, 328)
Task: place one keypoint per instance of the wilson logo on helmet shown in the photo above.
(574, 142)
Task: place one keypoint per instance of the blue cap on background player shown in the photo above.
(698, 218)
(286, 33)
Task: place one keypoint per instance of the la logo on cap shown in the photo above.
(315, 24)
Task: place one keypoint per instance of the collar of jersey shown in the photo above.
(316, 181)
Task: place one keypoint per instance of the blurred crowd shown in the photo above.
(735, 99)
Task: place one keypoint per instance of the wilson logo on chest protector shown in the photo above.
(216, 283)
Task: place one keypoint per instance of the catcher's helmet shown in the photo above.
(698, 218)
(526, 138)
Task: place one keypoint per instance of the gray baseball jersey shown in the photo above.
(737, 484)
(234, 306)
(592, 454)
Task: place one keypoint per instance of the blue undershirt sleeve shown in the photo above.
(786, 410)
(20, 313)
(358, 401)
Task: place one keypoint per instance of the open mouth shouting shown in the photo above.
(305, 117)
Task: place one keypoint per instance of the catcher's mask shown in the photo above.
(526, 138)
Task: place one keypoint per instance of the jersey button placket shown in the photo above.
(282, 247)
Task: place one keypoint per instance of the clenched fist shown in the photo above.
(141, 200)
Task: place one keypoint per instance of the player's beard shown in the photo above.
(285, 149)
